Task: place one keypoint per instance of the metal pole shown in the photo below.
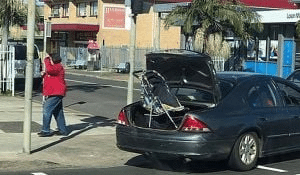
(45, 38)
(29, 79)
(280, 55)
(132, 58)
(157, 32)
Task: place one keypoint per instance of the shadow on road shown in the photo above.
(178, 165)
(77, 129)
(86, 88)
(279, 158)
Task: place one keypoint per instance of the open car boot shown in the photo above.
(157, 98)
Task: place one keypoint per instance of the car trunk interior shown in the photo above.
(140, 117)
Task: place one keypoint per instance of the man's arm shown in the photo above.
(50, 67)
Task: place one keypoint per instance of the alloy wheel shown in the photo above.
(248, 149)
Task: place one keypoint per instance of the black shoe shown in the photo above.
(59, 133)
(45, 134)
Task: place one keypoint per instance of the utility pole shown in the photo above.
(29, 77)
(132, 58)
(132, 4)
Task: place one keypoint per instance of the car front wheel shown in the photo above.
(245, 152)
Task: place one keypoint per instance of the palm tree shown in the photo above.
(206, 17)
(12, 12)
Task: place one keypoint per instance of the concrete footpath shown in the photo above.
(91, 143)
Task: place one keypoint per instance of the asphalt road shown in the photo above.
(99, 97)
(283, 165)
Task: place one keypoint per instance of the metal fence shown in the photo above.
(111, 57)
(219, 63)
(7, 73)
(75, 57)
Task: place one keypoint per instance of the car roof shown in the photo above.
(237, 76)
(179, 53)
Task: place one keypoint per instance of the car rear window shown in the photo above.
(192, 95)
(198, 95)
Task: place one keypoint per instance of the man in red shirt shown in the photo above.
(54, 89)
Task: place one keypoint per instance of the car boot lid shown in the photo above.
(183, 68)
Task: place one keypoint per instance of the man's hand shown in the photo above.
(51, 61)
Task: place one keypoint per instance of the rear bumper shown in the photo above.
(200, 146)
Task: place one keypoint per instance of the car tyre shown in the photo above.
(244, 154)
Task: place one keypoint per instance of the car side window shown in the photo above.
(295, 77)
(290, 95)
(261, 95)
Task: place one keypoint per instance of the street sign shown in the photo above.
(48, 29)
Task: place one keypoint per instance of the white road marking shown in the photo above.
(39, 173)
(106, 85)
(271, 169)
(83, 82)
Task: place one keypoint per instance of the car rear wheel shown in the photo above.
(244, 154)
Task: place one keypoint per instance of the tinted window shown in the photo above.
(290, 95)
(192, 95)
(295, 78)
(261, 95)
(225, 87)
(21, 52)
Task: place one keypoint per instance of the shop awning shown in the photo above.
(281, 4)
(75, 27)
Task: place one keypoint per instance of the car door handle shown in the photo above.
(296, 116)
(263, 119)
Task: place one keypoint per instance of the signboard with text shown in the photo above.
(279, 16)
(114, 17)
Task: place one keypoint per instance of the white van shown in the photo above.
(20, 65)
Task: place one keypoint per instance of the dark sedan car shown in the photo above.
(190, 111)
(295, 77)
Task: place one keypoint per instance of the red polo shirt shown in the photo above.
(54, 79)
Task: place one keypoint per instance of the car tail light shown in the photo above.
(122, 119)
(192, 124)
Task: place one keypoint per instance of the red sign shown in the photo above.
(283, 4)
(114, 17)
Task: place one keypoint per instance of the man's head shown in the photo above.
(56, 58)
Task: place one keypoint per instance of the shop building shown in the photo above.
(74, 23)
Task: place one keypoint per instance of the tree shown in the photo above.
(12, 12)
(203, 18)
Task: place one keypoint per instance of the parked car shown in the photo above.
(295, 77)
(20, 65)
(203, 115)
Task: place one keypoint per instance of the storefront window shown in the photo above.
(86, 36)
(81, 9)
(94, 8)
